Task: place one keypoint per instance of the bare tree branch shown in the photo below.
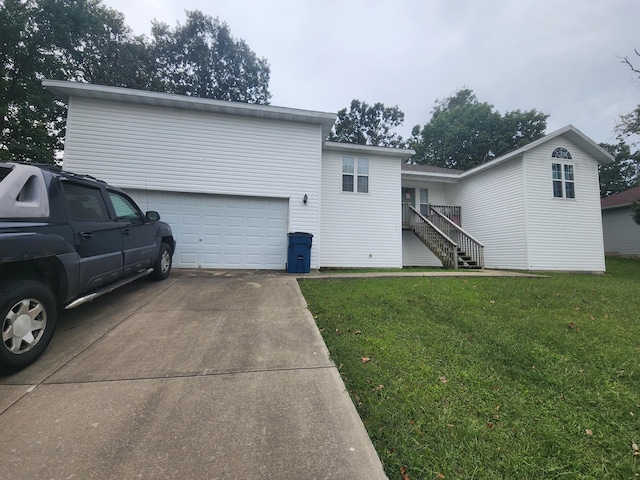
(626, 61)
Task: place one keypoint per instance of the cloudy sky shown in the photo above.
(560, 57)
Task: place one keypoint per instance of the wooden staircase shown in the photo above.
(454, 247)
(467, 261)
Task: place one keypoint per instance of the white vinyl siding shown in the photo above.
(511, 209)
(493, 211)
(415, 253)
(621, 233)
(154, 148)
(563, 235)
(361, 230)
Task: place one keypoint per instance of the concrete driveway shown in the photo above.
(206, 375)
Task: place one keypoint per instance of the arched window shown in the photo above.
(562, 174)
(561, 153)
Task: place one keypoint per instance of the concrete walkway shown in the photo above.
(327, 274)
(207, 375)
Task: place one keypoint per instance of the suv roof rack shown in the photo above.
(50, 167)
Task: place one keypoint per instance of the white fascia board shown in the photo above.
(65, 90)
(354, 149)
(432, 177)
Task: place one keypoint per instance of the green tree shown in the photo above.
(28, 115)
(464, 133)
(635, 211)
(622, 174)
(202, 59)
(58, 39)
(366, 124)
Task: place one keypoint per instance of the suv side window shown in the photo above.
(124, 208)
(85, 203)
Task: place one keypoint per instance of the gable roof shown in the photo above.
(621, 199)
(570, 132)
(66, 90)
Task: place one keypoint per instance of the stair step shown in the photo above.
(465, 261)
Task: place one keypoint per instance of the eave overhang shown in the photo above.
(66, 90)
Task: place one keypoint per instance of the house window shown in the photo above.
(561, 153)
(424, 202)
(563, 180)
(562, 175)
(355, 174)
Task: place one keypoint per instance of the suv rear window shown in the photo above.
(85, 203)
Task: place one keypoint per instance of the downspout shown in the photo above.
(525, 214)
(318, 241)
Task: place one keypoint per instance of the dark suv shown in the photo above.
(66, 239)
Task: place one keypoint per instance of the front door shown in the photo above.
(408, 199)
(409, 196)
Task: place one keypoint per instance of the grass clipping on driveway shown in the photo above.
(492, 377)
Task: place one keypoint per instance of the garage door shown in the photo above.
(222, 231)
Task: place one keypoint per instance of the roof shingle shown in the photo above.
(623, 198)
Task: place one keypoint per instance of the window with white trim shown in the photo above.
(424, 202)
(562, 175)
(355, 174)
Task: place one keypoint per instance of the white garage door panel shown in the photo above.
(219, 231)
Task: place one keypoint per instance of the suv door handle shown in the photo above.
(126, 232)
(86, 235)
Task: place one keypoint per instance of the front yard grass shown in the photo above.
(492, 378)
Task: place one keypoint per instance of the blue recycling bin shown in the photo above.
(299, 254)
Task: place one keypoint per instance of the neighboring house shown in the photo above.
(232, 179)
(621, 233)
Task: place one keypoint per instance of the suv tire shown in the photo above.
(28, 317)
(162, 268)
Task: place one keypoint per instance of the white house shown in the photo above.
(233, 179)
(536, 208)
(621, 233)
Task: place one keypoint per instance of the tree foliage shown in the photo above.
(464, 133)
(366, 124)
(635, 211)
(28, 114)
(622, 174)
(202, 58)
(82, 40)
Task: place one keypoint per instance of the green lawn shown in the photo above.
(501, 378)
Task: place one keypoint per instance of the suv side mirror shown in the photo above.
(152, 216)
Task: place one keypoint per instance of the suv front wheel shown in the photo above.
(28, 317)
(162, 268)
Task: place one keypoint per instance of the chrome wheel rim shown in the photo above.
(165, 261)
(23, 325)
